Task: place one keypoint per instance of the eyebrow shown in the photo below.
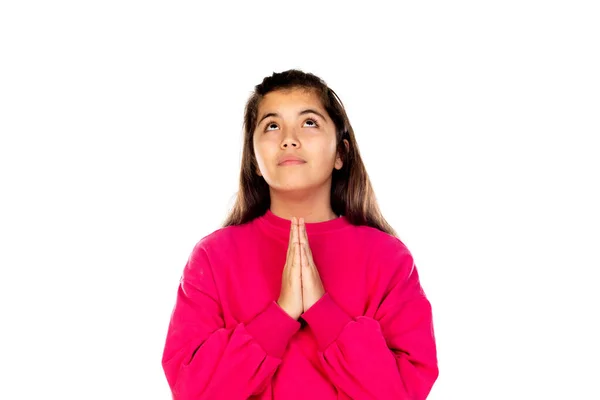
(307, 111)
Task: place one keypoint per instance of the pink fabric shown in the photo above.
(369, 337)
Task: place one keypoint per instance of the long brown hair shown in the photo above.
(352, 194)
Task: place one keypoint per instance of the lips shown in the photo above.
(290, 160)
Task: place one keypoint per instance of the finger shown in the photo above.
(305, 259)
(300, 230)
(295, 230)
(308, 265)
(290, 241)
(297, 263)
(301, 252)
(304, 235)
(297, 250)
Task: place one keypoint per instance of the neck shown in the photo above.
(308, 206)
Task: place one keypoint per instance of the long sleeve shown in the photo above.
(392, 355)
(203, 359)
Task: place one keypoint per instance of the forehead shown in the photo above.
(289, 98)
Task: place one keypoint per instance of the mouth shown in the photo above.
(292, 162)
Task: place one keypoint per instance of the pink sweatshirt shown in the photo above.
(369, 337)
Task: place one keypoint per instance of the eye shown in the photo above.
(272, 125)
(269, 125)
(313, 122)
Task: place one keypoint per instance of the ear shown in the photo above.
(338, 160)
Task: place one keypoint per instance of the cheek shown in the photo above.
(259, 154)
(264, 153)
(326, 152)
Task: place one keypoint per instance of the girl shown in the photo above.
(306, 291)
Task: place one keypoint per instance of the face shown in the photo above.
(293, 122)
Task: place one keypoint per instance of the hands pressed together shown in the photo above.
(301, 284)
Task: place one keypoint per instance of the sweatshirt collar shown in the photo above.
(314, 227)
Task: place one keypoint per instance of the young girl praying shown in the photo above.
(305, 292)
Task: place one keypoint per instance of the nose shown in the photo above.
(290, 141)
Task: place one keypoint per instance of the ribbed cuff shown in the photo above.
(273, 328)
(326, 320)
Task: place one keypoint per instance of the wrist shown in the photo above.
(283, 306)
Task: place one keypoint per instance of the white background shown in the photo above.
(121, 128)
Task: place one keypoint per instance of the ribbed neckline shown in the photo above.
(313, 227)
